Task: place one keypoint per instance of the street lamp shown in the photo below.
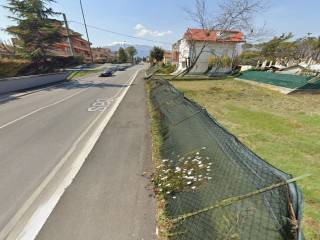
(85, 25)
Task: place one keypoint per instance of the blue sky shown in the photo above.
(165, 21)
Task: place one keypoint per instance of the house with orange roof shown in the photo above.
(208, 43)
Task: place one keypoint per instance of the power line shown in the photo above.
(120, 34)
(110, 31)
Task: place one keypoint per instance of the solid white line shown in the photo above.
(42, 108)
(40, 216)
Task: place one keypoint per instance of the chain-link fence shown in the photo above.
(215, 187)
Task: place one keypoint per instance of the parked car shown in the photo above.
(107, 73)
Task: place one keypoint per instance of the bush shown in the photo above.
(221, 62)
(167, 69)
(21, 67)
(249, 58)
(11, 67)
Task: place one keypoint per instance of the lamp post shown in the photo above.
(85, 25)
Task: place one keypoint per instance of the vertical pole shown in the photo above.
(85, 25)
(68, 34)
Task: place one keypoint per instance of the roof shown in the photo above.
(214, 36)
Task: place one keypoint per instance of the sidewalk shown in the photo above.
(108, 199)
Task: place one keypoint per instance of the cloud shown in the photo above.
(142, 31)
(120, 43)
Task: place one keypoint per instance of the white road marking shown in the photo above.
(40, 216)
(42, 108)
(100, 105)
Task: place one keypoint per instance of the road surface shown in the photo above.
(110, 197)
(38, 130)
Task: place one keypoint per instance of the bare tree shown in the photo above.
(230, 15)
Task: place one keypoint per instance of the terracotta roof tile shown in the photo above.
(213, 36)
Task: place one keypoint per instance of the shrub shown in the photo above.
(221, 62)
(11, 67)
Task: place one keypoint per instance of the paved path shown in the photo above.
(108, 198)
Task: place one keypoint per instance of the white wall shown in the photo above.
(218, 49)
(21, 83)
(201, 66)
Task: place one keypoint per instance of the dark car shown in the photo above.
(107, 73)
(122, 68)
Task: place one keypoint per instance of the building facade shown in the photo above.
(209, 44)
(101, 55)
(81, 47)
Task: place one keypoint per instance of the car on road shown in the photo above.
(122, 68)
(107, 73)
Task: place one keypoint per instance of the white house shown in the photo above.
(217, 42)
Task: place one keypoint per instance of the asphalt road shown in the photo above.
(37, 130)
(110, 198)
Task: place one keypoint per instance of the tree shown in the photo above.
(157, 54)
(122, 54)
(35, 32)
(279, 47)
(132, 51)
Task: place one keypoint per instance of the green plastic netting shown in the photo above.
(235, 171)
(282, 80)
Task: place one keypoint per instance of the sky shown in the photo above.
(165, 21)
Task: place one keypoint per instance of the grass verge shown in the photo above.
(81, 74)
(283, 129)
(157, 141)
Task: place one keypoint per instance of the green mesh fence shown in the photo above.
(204, 165)
(282, 80)
(152, 70)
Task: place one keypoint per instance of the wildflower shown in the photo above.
(168, 185)
(174, 197)
(168, 192)
(189, 183)
(201, 166)
(204, 148)
(197, 153)
(178, 169)
(193, 188)
(164, 178)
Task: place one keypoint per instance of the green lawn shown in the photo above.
(282, 129)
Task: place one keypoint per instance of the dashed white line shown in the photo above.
(40, 109)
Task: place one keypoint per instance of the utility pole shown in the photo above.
(68, 34)
(85, 25)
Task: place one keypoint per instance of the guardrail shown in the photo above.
(14, 84)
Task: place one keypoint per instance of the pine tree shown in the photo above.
(35, 32)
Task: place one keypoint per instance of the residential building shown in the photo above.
(213, 43)
(167, 57)
(81, 47)
(101, 55)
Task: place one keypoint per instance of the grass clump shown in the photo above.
(188, 173)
